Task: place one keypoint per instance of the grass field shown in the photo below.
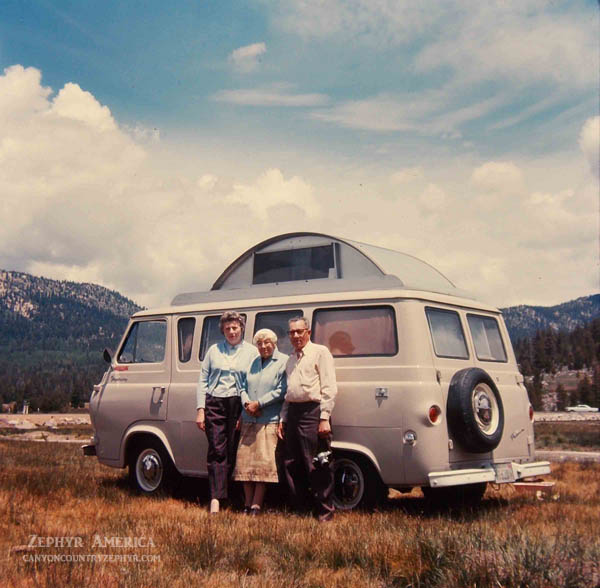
(569, 435)
(48, 490)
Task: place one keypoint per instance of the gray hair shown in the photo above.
(300, 318)
(231, 316)
(264, 334)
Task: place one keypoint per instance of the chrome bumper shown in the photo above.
(498, 473)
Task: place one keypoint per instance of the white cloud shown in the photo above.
(21, 93)
(246, 59)
(498, 176)
(207, 181)
(369, 21)
(406, 175)
(435, 112)
(143, 134)
(272, 190)
(529, 40)
(75, 104)
(274, 95)
(433, 199)
(589, 141)
(495, 41)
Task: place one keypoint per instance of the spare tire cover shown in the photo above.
(475, 411)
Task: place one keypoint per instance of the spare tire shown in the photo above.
(475, 411)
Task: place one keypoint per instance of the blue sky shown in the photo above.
(462, 132)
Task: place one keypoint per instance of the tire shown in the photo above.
(356, 483)
(475, 411)
(467, 495)
(151, 471)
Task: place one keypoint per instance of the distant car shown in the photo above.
(581, 408)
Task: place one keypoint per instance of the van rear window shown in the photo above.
(278, 323)
(447, 333)
(486, 338)
(358, 331)
(145, 343)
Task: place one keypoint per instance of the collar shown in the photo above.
(304, 349)
(277, 355)
(230, 347)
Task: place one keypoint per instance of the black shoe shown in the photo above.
(255, 511)
(246, 510)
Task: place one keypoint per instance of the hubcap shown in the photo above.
(485, 409)
(149, 470)
(349, 484)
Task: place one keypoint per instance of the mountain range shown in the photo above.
(524, 321)
(36, 311)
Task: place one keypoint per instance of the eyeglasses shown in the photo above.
(297, 331)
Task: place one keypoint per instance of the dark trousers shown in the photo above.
(307, 482)
(221, 416)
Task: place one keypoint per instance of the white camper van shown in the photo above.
(429, 393)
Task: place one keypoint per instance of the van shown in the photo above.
(429, 392)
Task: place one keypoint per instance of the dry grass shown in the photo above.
(49, 490)
(568, 435)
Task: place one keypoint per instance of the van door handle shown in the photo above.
(381, 392)
(162, 392)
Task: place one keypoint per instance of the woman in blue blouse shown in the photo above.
(218, 405)
(262, 398)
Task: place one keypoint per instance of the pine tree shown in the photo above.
(534, 388)
(585, 393)
(562, 398)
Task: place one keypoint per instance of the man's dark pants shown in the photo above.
(221, 416)
(302, 444)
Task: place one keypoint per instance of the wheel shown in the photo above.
(356, 483)
(475, 411)
(151, 470)
(469, 495)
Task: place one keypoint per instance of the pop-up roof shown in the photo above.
(314, 262)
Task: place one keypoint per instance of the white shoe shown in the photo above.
(214, 506)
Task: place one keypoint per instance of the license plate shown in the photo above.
(504, 472)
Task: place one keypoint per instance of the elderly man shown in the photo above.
(305, 421)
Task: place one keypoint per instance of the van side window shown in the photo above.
(487, 338)
(211, 333)
(145, 343)
(185, 338)
(278, 323)
(358, 331)
(447, 333)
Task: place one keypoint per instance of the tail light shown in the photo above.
(434, 414)
(531, 413)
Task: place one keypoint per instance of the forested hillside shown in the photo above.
(525, 321)
(563, 365)
(52, 334)
(558, 350)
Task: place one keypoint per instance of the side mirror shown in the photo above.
(107, 355)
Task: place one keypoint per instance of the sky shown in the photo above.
(146, 145)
